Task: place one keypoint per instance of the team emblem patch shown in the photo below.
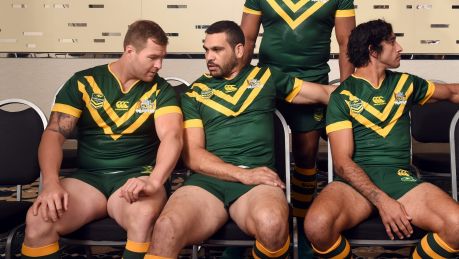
(356, 105)
(206, 94)
(378, 100)
(400, 98)
(97, 100)
(230, 88)
(254, 83)
(405, 176)
(318, 114)
(146, 106)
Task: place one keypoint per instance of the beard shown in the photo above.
(224, 70)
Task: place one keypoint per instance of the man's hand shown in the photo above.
(135, 188)
(52, 202)
(395, 218)
(261, 175)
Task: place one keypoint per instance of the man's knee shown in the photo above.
(271, 226)
(37, 227)
(318, 224)
(169, 225)
(141, 218)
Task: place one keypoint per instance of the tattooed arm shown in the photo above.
(53, 197)
(392, 212)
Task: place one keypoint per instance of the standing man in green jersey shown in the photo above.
(369, 130)
(296, 40)
(129, 139)
(229, 145)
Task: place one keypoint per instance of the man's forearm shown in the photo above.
(204, 162)
(50, 155)
(355, 175)
(168, 153)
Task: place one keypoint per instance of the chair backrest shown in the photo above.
(282, 150)
(20, 135)
(430, 123)
(180, 86)
(454, 145)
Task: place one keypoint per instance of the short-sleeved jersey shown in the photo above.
(296, 36)
(237, 114)
(378, 117)
(116, 129)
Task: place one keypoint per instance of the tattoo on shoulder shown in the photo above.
(62, 123)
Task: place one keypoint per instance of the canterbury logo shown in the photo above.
(122, 105)
(378, 100)
(230, 88)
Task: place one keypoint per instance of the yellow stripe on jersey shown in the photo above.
(194, 123)
(237, 96)
(94, 114)
(251, 11)
(339, 126)
(224, 110)
(291, 22)
(382, 116)
(296, 89)
(167, 110)
(108, 109)
(430, 90)
(345, 13)
(295, 7)
(385, 130)
(67, 109)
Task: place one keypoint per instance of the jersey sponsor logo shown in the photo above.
(254, 83)
(122, 105)
(378, 100)
(405, 176)
(400, 98)
(97, 100)
(318, 114)
(356, 105)
(207, 94)
(320, 1)
(230, 88)
(146, 106)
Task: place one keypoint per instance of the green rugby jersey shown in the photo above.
(116, 129)
(379, 117)
(237, 114)
(296, 37)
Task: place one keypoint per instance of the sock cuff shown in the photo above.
(149, 256)
(305, 171)
(279, 252)
(40, 251)
(137, 247)
(443, 244)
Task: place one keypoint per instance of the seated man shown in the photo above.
(368, 125)
(129, 139)
(228, 143)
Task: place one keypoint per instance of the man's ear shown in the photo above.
(129, 49)
(239, 50)
(373, 53)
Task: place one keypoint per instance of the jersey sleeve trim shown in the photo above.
(251, 11)
(167, 110)
(194, 123)
(339, 126)
(345, 13)
(67, 109)
(429, 93)
(296, 89)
